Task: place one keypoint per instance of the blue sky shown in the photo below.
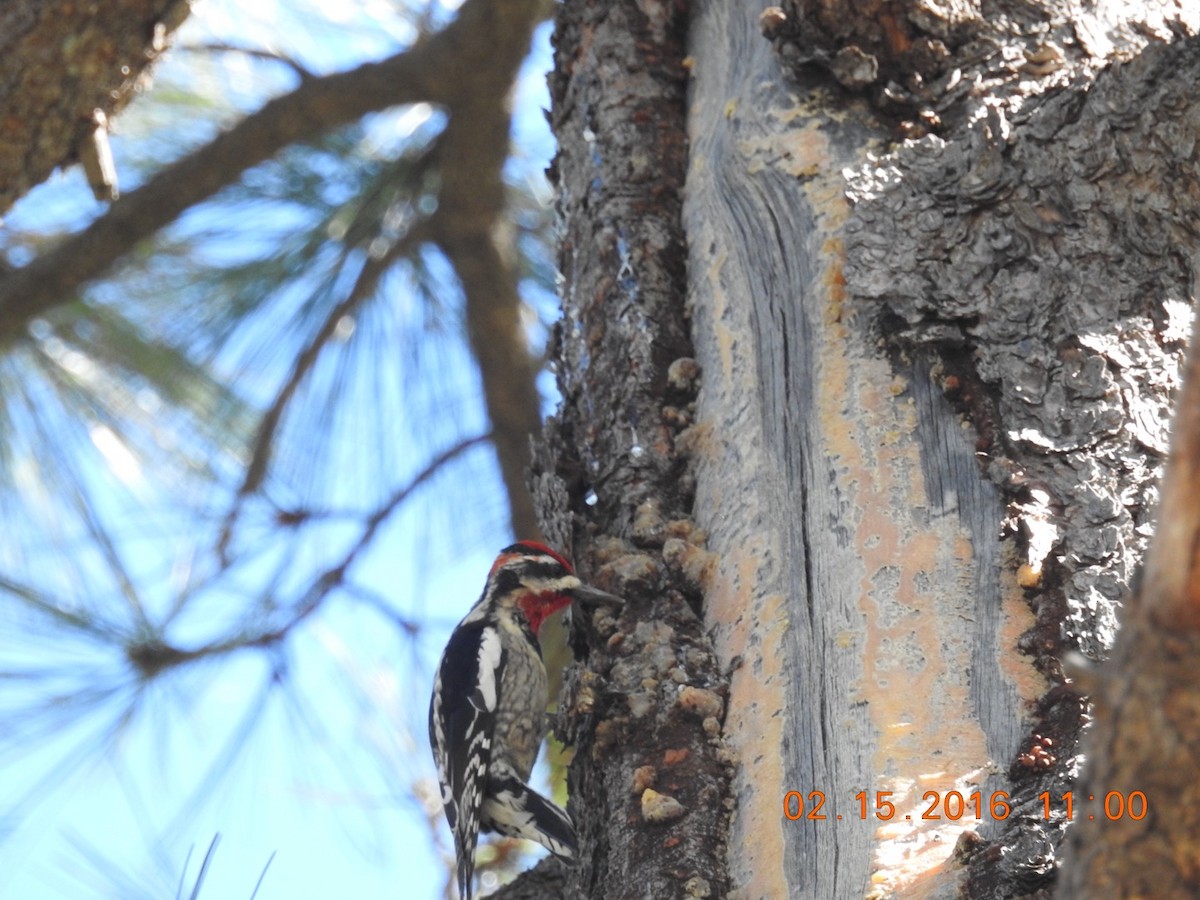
(327, 782)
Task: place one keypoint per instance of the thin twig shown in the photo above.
(165, 656)
(364, 286)
(379, 603)
(256, 53)
(89, 623)
(335, 575)
(262, 877)
(187, 861)
(208, 858)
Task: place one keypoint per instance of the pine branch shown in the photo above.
(444, 69)
(473, 230)
(153, 655)
(364, 286)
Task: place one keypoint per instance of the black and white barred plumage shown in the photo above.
(488, 710)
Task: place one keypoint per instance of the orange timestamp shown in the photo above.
(956, 805)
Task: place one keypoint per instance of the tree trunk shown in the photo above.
(1138, 833)
(937, 276)
(647, 710)
(60, 63)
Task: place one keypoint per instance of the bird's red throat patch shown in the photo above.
(538, 607)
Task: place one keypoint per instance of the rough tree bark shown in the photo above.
(938, 276)
(646, 710)
(1142, 772)
(60, 62)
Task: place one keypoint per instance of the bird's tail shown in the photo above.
(514, 809)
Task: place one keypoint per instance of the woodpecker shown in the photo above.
(487, 716)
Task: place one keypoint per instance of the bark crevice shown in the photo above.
(1075, 349)
(645, 704)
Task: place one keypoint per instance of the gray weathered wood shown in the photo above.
(935, 382)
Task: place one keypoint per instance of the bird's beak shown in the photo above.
(590, 596)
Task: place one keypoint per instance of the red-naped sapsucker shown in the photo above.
(487, 716)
